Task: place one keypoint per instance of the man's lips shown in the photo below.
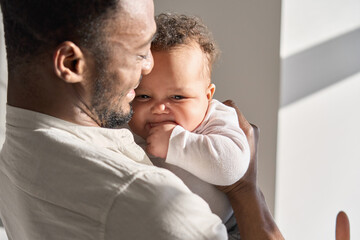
(131, 94)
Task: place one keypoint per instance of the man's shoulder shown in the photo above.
(64, 168)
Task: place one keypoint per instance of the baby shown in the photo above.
(176, 120)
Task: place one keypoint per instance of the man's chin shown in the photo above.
(117, 119)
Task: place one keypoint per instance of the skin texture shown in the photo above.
(176, 92)
(70, 83)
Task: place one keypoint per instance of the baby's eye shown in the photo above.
(178, 97)
(142, 97)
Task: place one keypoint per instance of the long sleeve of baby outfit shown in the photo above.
(216, 152)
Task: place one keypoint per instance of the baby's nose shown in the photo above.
(159, 108)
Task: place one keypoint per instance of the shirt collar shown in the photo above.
(117, 140)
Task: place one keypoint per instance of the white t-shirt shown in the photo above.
(59, 180)
(215, 153)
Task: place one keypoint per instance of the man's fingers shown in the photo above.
(256, 132)
(248, 128)
(251, 131)
(256, 128)
(244, 124)
(229, 103)
(342, 226)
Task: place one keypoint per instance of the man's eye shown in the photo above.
(178, 97)
(143, 57)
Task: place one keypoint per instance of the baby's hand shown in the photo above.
(158, 139)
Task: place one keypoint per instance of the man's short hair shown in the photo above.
(33, 27)
(174, 30)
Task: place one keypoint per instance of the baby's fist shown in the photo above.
(158, 139)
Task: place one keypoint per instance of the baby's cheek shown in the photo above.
(194, 119)
(138, 111)
(135, 123)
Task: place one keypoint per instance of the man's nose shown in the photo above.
(160, 108)
(147, 64)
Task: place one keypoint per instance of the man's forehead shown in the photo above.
(137, 7)
(133, 22)
(134, 17)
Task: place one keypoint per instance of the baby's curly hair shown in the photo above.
(174, 30)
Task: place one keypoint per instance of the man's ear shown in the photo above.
(210, 91)
(69, 62)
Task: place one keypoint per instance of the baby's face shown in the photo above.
(178, 90)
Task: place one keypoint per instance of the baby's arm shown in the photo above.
(219, 154)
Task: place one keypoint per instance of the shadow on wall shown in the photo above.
(320, 66)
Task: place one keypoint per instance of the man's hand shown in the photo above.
(252, 135)
(252, 214)
(158, 139)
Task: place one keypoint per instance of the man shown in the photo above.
(64, 173)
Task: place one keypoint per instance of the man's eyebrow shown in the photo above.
(150, 40)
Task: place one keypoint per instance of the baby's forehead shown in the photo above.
(191, 46)
(191, 49)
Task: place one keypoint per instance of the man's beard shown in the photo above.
(108, 116)
(113, 119)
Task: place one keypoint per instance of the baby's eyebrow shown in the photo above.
(182, 89)
(138, 89)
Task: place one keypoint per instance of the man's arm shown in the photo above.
(251, 211)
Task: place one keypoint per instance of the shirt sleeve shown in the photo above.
(217, 152)
(159, 206)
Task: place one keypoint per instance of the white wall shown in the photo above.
(307, 23)
(248, 33)
(318, 162)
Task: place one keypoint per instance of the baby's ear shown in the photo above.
(210, 91)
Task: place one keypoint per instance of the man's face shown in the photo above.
(126, 58)
(177, 91)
